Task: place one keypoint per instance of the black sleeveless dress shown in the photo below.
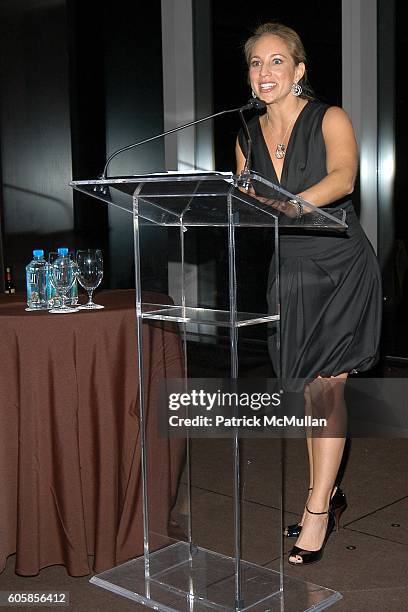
(330, 285)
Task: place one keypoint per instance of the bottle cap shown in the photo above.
(62, 251)
(38, 253)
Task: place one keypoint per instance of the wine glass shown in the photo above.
(90, 273)
(63, 272)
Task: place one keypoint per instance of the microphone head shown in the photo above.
(256, 104)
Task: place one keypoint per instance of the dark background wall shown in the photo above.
(393, 34)
(85, 44)
(78, 80)
(134, 111)
(35, 128)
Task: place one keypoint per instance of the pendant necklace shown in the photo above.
(280, 150)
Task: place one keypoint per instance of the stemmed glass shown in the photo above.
(53, 297)
(90, 274)
(63, 272)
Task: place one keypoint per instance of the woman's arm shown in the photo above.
(341, 160)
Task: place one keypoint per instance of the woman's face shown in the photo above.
(272, 70)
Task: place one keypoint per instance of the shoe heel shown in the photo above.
(337, 514)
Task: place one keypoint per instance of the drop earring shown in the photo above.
(253, 93)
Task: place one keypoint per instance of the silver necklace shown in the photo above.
(280, 150)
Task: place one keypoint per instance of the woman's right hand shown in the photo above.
(288, 208)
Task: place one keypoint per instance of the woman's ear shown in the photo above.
(299, 71)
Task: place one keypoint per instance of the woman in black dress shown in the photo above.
(330, 284)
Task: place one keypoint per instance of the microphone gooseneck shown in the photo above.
(249, 143)
(253, 103)
(259, 105)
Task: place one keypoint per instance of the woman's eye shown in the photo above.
(277, 60)
(255, 63)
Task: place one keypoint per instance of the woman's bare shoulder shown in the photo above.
(336, 117)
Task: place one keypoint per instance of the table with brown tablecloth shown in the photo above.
(70, 477)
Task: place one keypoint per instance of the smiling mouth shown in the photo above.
(267, 87)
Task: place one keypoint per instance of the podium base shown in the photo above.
(184, 578)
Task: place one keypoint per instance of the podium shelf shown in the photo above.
(204, 316)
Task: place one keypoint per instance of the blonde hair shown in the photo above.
(295, 46)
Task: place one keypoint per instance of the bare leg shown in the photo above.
(310, 455)
(308, 411)
(326, 395)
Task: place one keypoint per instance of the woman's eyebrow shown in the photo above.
(273, 55)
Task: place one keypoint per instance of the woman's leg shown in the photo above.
(309, 440)
(325, 399)
(308, 411)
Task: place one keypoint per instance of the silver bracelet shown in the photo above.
(299, 212)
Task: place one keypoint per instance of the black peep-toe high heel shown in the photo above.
(313, 556)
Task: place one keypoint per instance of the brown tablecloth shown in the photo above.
(70, 479)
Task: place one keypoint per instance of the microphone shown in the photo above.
(253, 103)
(257, 104)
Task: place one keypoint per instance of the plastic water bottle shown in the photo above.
(37, 279)
(52, 297)
(73, 294)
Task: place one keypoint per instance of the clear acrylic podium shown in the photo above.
(180, 575)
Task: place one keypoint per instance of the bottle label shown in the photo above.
(36, 286)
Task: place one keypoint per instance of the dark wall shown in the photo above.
(35, 129)
(401, 121)
(86, 43)
(393, 219)
(78, 79)
(134, 111)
